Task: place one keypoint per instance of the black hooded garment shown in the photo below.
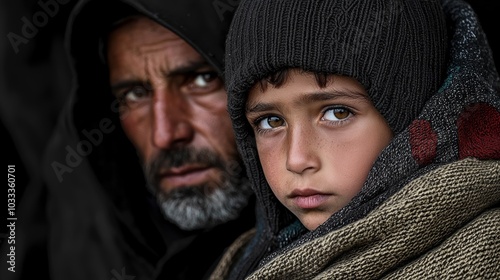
(94, 217)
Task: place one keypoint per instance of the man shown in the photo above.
(147, 97)
(173, 109)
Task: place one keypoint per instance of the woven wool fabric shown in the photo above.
(460, 120)
(443, 225)
(439, 226)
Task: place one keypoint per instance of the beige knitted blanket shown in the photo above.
(443, 225)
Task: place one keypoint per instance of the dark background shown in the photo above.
(35, 82)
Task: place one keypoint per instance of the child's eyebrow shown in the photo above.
(311, 98)
(259, 107)
(332, 95)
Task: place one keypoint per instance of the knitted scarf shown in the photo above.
(443, 225)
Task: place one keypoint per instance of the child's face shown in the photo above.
(316, 145)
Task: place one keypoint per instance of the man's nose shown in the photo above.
(171, 122)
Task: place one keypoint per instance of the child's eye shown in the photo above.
(270, 122)
(337, 114)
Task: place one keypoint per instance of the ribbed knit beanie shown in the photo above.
(395, 48)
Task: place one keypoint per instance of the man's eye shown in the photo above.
(135, 95)
(270, 122)
(203, 80)
(337, 114)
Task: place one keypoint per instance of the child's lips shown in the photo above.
(308, 198)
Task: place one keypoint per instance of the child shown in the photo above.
(372, 137)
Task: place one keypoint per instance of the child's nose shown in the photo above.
(301, 151)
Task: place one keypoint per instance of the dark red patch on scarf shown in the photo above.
(423, 142)
(479, 132)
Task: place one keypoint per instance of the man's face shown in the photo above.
(173, 109)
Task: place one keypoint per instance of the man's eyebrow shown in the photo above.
(312, 97)
(187, 68)
(115, 87)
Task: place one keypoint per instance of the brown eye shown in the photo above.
(270, 122)
(341, 114)
(203, 79)
(204, 82)
(135, 95)
(337, 114)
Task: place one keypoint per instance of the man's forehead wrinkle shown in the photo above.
(155, 72)
(158, 46)
(160, 72)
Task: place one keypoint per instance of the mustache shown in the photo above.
(178, 157)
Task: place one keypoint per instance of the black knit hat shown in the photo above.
(395, 48)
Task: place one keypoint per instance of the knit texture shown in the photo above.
(419, 217)
(460, 120)
(396, 49)
(422, 232)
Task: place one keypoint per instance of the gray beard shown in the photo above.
(203, 207)
(200, 206)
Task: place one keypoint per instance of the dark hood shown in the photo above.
(102, 218)
(444, 131)
(92, 110)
